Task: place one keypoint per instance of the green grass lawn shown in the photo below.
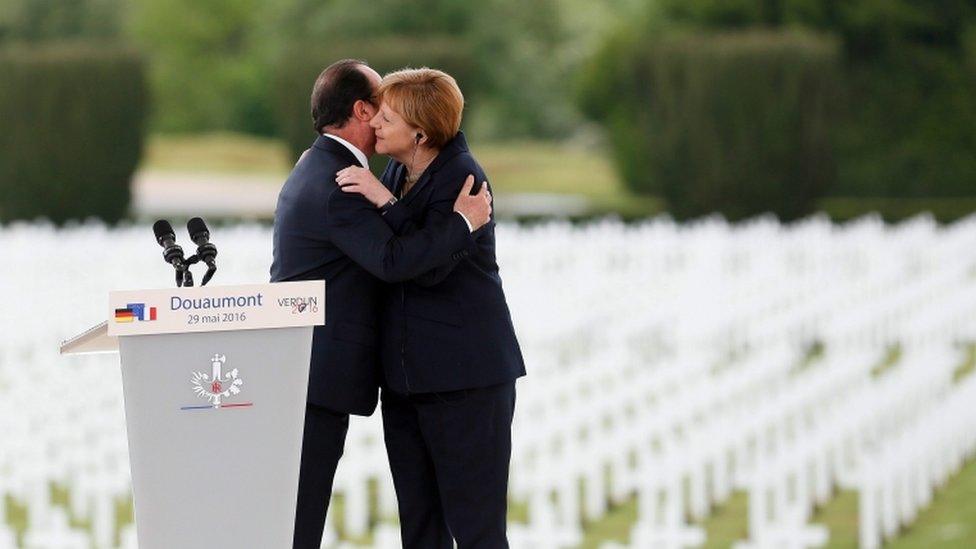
(950, 523)
(561, 169)
(514, 167)
(518, 167)
(216, 152)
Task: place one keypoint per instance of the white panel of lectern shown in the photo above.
(214, 380)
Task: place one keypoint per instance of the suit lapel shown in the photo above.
(453, 147)
(397, 182)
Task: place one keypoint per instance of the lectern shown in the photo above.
(214, 380)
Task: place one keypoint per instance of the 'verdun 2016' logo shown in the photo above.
(300, 305)
(216, 386)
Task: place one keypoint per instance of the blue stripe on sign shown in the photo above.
(196, 407)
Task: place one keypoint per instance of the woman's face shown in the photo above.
(394, 137)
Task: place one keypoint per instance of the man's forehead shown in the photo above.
(374, 77)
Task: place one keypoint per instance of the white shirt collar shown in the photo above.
(363, 161)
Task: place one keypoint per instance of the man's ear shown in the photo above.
(363, 110)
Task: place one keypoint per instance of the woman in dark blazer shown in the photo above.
(448, 346)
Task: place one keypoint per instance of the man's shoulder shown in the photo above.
(316, 160)
(315, 170)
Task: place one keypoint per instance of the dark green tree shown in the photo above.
(736, 123)
(74, 119)
(208, 69)
(910, 128)
(907, 115)
(506, 56)
(54, 20)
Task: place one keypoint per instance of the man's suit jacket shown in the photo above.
(322, 233)
(450, 328)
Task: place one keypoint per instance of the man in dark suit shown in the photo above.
(322, 234)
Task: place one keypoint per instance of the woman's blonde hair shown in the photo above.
(426, 98)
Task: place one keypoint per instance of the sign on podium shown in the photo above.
(214, 380)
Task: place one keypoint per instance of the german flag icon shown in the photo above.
(124, 315)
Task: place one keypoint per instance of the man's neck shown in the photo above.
(350, 136)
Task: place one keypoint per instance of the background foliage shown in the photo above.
(910, 124)
(214, 65)
(73, 118)
(734, 121)
(891, 117)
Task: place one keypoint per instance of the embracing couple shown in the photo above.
(414, 304)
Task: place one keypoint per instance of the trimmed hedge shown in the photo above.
(73, 125)
(909, 130)
(295, 74)
(909, 126)
(736, 123)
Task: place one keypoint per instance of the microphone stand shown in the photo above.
(188, 277)
(211, 269)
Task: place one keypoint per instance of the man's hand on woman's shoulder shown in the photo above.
(475, 208)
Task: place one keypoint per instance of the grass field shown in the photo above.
(517, 167)
(216, 152)
(522, 167)
(950, 522)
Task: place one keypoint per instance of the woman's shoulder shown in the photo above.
(451, 175)
(462, 163)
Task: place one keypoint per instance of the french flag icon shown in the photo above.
(139, 311)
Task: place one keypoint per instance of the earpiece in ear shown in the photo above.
(419, 137)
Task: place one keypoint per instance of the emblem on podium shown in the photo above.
(217, 385)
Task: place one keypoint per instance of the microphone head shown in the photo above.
(199, 233)
(163, 230)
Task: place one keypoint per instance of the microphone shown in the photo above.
(172, 252)
(206, 251)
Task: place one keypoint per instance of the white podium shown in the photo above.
(214, 381)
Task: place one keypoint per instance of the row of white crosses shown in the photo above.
(62, 432)
(666, 362)
(915, 451)
(929, 325)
